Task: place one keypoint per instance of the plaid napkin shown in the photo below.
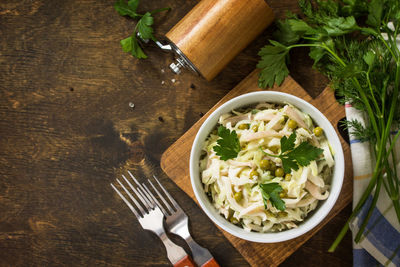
(380, 244)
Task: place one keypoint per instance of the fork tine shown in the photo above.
(152, 204)
(149, 197)
(149, 193)
(176, 205)
(145, 201)
(171, 211)
(132, 198)
(126, 202)
(139, 185)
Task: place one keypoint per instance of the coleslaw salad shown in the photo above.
(250, 99)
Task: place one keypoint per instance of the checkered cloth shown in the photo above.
(380, 244)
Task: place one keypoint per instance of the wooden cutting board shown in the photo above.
(175, 163)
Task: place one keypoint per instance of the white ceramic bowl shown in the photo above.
(323, 207)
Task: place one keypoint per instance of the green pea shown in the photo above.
(243, 126)
(318, 131)
(265, 164)
(288, 177)
(238, 196)
(254, 128)
(254, 173)
(279, 172)
(292, 124)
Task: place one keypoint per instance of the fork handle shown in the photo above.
(211, 263)
(175, 253)
(201, 253)
(185, 262)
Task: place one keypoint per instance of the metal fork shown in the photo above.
(151, 218)
(178, 224)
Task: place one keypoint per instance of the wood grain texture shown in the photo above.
(67, 131)
(175, 163)
(215, 31)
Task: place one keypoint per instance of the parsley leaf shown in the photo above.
(375, 9)
(292, 157)
(289, 164)
(288, 143)
(272, 64)
(305, 153)
(131, 45)
(127, 9)
(285, 34)
(143, 26)
(341, 25)
(228, 145)
(271, 192)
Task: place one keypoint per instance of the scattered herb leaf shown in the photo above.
(228, 145)
(131, 45)
(127, 9)
(143, 27)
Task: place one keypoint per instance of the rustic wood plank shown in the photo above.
(66, 132)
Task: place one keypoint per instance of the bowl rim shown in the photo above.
(318, 214)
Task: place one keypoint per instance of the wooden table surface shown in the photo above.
(67, 130)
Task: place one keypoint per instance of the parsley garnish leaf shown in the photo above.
(289, 164)
(228, 145)
(271, 192)
(292, 157)
(305, 153)
(288, 143)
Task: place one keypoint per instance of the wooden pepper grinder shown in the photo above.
(215, 31)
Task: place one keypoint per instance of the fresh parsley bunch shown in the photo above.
(352, 42)
(143, 26)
